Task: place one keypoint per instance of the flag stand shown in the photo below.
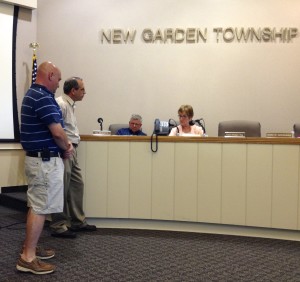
(34, 46)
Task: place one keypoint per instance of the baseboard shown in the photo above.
(271, 233)
(13, 189)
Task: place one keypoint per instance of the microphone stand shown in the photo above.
(100, 121)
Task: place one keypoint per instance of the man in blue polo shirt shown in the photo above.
(45, 142)
(135, 125)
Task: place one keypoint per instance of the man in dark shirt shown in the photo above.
(45, 142)
(135, 125)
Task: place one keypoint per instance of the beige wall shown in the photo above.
(26, 33)
(12, 165)
(222, 81)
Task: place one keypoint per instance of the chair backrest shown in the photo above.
(113, 128)
(296, 129)
(251, 128)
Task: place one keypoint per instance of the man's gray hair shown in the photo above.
(135, 116)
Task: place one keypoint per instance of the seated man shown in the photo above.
(134, 128)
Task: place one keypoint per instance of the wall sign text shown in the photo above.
(199, 35)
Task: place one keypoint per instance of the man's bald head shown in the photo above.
(48, 75)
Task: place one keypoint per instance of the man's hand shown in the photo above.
(69, 151)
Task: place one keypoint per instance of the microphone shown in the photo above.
(201, 122)
(100, 121)
(172, 124)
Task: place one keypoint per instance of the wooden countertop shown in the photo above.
(181, 139)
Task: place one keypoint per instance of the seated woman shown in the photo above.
(135, 127)
(186, 127)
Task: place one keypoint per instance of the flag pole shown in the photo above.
(34, 46)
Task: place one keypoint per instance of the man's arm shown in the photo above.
(60, 137)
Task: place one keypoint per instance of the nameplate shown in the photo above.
(234, 134)
(279, 134)
(101, 132)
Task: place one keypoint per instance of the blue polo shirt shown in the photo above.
(39, 109)
(128, 131)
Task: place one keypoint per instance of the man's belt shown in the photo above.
(39, 154)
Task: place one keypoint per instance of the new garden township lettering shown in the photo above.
(199, 35)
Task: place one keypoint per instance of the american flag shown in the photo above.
(34, 68)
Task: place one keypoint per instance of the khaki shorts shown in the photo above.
(45, 185)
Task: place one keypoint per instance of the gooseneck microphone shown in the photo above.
(100, 121)
(172, 124)
(201, 122)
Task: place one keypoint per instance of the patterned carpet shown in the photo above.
(141, 255)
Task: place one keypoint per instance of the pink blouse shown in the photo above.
(195, 130)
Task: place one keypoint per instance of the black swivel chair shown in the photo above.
(296, 128)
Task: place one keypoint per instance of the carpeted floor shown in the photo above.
(141, 255)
